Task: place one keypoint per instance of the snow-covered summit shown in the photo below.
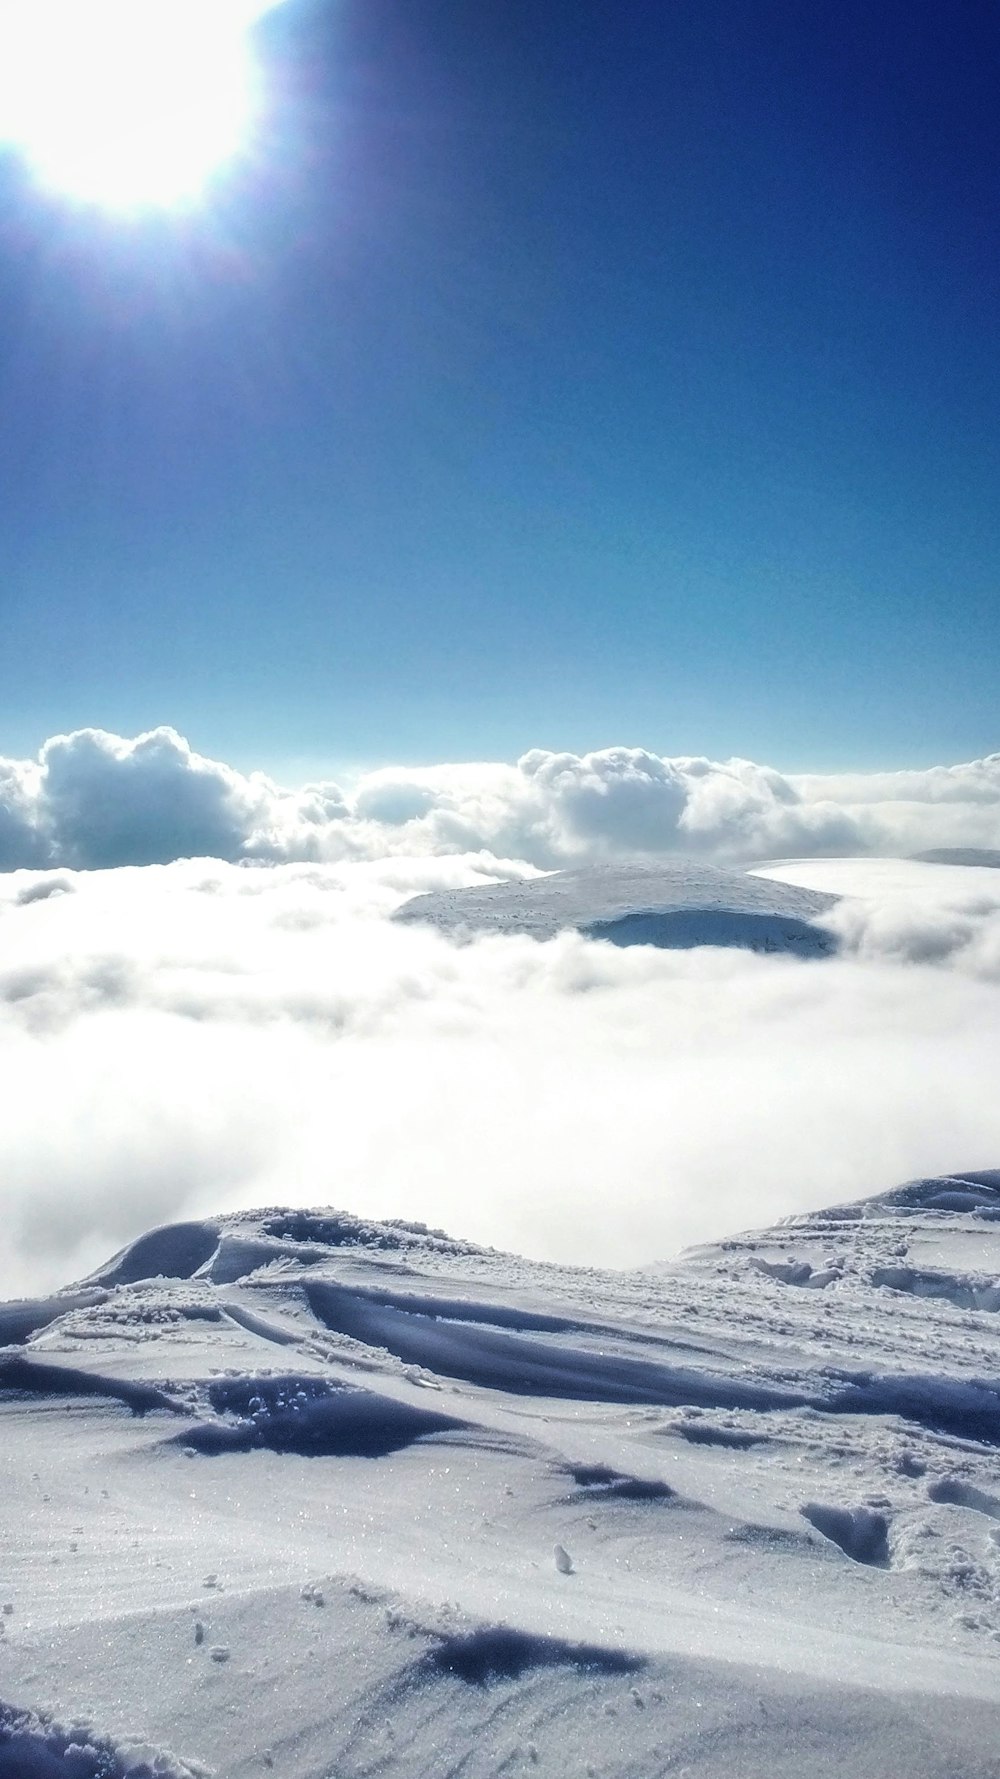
(678, 903)
(293, 1492)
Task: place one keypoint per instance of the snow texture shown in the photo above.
(298, 1493)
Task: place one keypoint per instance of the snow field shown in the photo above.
(294, 1492)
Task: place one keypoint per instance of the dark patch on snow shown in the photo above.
(684, 928)
(707, 1433)
(966, 1293)
(18, 1321)
(604, 1484)
(499, 1652)
(34, 1747)
(861, 1532)
(952, 1491)
(965, 1409)
(310, 1418)
(174, 1252)
(30, 1377)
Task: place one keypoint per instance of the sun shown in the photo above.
(129, 105)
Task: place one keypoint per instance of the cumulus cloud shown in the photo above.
(941, 806)
(95, 800)
(103, 800)
(21, 841)
(186, 1038)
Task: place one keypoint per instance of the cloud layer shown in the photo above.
(186, 1038)
(93, 800)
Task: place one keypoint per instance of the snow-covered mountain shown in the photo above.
(287, 1492)
(678, 903)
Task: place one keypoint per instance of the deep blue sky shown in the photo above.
(567, 372)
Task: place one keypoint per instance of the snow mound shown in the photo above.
(676, 905)
(174, 1252)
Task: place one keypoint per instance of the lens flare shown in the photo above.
(129, 105)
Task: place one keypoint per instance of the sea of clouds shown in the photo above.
(92, 799)
(185, 1037)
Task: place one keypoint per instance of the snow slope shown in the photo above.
(289, 1492)
(675, 904)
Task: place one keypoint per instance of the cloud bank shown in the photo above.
(93, 800)
(186, 1038)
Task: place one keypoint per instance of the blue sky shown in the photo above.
(562, 373)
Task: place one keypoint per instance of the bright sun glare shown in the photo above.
(128, 104)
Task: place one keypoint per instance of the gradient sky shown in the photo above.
(561, 373)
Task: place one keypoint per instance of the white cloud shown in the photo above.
(105, 800)
(92, 800)
(942, 806)
(180, 1039)
(908, 912)
(21, 843)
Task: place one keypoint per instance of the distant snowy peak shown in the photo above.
(676, 905)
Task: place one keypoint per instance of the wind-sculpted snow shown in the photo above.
(19, 1320)
(30, 1377)
(176, 1252)
(310, 1418)
(310, 1495)
(497, 1360)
